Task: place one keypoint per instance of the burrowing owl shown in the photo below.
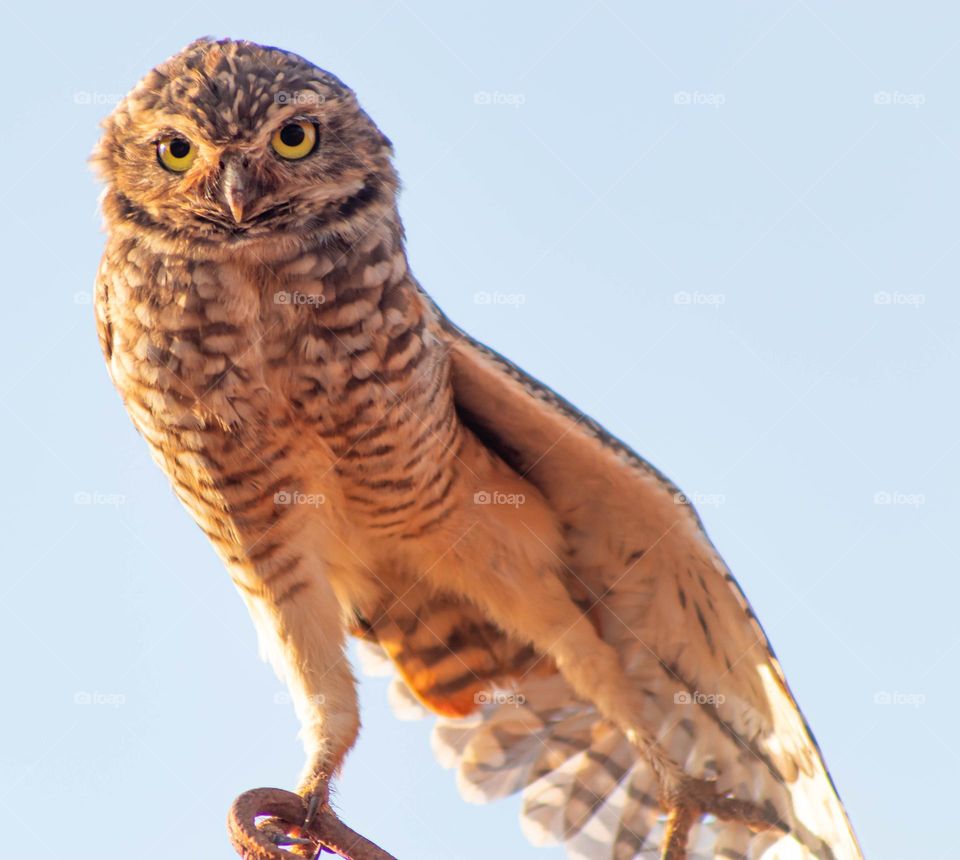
(363, 466)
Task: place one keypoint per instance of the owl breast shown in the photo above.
(252, 377)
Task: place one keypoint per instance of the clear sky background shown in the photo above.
(727, 231)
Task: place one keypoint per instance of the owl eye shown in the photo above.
(295, 140)
(176, 153)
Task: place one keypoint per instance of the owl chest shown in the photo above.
(178, 368)
(217, 353)
(218, 374)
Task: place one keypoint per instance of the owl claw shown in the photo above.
(285, 839)
(694, 798)
(313, 804)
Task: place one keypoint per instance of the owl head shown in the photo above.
(230, 146)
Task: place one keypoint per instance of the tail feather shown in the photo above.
(583, 784)
(563, 801)
(503, 748)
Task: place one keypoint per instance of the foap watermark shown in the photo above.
(284, 297)
(93, 97)
(896, 697)
(894, 297)
(499, 697)
(897, 497)
(897, 98)
(92, 697)
(696, 697)
(495, 97)
(295, 497)
(695, 97)
(301, 99)
(684, 297)
(284, 698)
(495, 298)
(699, 499)
(82, 298)
(96, 497)
(495, 497)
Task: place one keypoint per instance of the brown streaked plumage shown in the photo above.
(361, 465)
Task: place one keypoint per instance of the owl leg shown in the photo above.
(301, 630)
(534, 606)
(687, 802)
(540, 610)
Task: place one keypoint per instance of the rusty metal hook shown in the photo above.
(326, 830)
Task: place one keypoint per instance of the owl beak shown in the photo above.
(234, 189)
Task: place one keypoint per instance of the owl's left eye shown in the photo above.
(295, 140)
(176, 153)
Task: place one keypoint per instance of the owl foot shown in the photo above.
(693, 798)
(326, 831)
(314, 802)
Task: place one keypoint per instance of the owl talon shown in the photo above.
(285, 840)
(313, 804)
(695, 798)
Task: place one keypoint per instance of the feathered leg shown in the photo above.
(558, 627)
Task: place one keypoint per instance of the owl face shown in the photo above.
(230, 145)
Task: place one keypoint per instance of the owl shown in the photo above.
(364, 468)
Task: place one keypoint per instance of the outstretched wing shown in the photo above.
(660, 593)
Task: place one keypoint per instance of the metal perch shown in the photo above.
(327, 831)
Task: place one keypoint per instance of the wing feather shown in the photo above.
(663, 596)
(657, 590)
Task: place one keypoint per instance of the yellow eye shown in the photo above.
(176, 153)
(295, 140)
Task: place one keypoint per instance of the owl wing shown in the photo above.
(716, 696)
(101, 309)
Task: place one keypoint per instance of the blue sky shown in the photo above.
(727, 231)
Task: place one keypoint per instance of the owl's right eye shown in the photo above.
(176, 153)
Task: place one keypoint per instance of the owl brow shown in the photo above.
(167, 132)
(297, 117)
